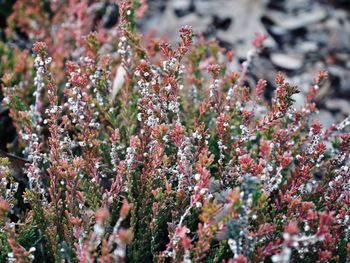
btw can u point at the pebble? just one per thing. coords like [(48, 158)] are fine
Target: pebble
[(293, 22), (308, 46), (344, 78), (180, 4), (287, 61), (338, 104)]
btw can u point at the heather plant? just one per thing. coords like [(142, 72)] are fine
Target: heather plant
[(148, 152)]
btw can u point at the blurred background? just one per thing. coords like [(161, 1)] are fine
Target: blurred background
[(304, 37)]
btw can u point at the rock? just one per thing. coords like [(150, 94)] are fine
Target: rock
[(287, 61), (180, 4), (318, 35), (344, 78), (334, 33), (293, 22), (222, 23), (338, 40), (342, 57), (240, 32), (291, 6), (338, 104), (297, 5), (182, 7), (167, 24), (308, 46)]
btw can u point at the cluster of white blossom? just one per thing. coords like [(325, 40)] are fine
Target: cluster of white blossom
[(184, 155), (39, 65), (214, 89), (315, 139), (35, 158), (129, 158), (245, 133), (32, 137), (174, 105), (124, 49), (222, 149), (7, 190), (170, 65), (271, 178), (340, 182), (100, 91), (276, 180), (229, 97), (144, 85), (115, 149), (76, 104), (152, 120)]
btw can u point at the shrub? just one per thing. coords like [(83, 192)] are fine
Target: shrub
[(175, 159)]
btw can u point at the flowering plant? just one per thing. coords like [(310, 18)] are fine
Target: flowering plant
[(144, 152)]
